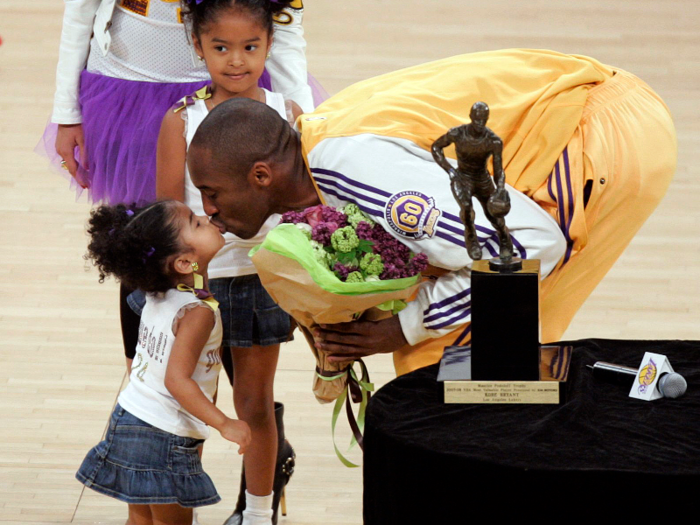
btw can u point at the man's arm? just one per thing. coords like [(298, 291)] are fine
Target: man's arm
[(372, 172), (346, 342)]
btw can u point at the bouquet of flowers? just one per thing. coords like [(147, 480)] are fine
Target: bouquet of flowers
[(328, 265)]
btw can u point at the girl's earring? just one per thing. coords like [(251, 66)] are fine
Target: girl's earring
[(268, 56), (195, 266), (201, 59)]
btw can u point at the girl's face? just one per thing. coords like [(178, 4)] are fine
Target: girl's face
[(202, 238), (234, 47)]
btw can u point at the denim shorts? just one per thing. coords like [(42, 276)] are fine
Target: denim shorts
[(249, 315), (142, 465)]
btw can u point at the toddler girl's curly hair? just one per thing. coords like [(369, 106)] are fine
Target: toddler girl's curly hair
[(200, 13), (136, 246)]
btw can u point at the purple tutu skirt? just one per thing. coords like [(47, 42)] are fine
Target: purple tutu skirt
[(121, 122)]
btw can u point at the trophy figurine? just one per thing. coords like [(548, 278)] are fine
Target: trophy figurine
[(504, 290), (474, 144)]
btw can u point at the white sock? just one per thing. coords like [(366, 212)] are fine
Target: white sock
[(258, 509)]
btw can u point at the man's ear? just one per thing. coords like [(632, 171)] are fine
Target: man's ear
[(260, 174)]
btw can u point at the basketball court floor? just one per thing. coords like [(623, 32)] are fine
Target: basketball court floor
[(61, 362)]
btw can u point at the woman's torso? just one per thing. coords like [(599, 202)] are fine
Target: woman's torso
[(149, 43)]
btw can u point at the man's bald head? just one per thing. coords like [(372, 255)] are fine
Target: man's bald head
[(238, 133)]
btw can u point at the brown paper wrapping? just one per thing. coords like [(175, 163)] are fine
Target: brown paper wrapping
[(293, 289)]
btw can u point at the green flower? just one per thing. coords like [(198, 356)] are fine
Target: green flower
[(356, 215), (332, 259), (345, 239), (355, 277), (320, 254), (351, 209), (354, 220), (372, 264)]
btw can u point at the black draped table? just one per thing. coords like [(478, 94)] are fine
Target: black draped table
[(600, 452)]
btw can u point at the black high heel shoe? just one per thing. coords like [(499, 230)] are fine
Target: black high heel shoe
[(284, 468)]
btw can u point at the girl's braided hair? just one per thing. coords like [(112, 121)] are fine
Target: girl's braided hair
[(200, 13), (135, 245)]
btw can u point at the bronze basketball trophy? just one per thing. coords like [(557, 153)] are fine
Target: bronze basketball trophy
[(506, 364)]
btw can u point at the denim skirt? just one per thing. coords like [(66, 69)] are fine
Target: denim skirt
[(248, 314), (142, 465)]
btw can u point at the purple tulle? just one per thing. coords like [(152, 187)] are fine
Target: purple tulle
[(319, 94), (121, 122)]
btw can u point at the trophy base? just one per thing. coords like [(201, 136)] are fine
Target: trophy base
[(502, 392), (460, 388), (497, 264)]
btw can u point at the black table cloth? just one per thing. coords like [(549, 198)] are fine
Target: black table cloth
[(600, 451)]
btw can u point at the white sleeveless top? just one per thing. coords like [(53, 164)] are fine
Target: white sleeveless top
[(232, 260), (146, 396), (149, 44)]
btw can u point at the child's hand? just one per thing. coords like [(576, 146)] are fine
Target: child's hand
[(237, 431)]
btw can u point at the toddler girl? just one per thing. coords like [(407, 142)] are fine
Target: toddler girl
[(150, 455)]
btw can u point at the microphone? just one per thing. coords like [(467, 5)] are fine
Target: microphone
[(670, 384)]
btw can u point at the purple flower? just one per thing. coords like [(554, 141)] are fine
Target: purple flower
[(343, 271), (419, 263), (364, 231), (391, 272), (293, 217), (330, 214), (396, 257), (322, 232)]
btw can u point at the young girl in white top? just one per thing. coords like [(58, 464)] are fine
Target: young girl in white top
[(149, 457), (233, 38)]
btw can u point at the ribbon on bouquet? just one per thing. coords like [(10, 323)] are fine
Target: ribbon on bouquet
[(357, 391)]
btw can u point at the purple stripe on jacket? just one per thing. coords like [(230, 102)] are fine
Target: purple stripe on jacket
[(450, 321), (463, 335), (452, 310), (460, 231), (352, 182), (336, 184), (567, 233), (448, 300), (368, 211), (549, 187)]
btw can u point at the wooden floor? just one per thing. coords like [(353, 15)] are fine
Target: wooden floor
[(60, 350)]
